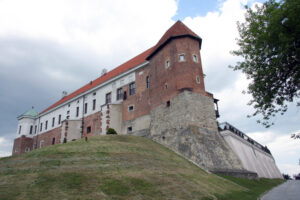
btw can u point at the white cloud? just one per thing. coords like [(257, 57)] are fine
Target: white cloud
[(5, 147)]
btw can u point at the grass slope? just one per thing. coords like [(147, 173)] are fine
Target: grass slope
[(116, 167)]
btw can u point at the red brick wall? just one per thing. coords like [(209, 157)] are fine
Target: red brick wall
[(21, 144), (94, 121), (177, 76), (48, 136)]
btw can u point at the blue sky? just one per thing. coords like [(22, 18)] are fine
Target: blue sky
[(42, 54)]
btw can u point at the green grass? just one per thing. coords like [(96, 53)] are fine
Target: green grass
[(116, 167)]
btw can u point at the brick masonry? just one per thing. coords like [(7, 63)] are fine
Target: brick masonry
[(48, 137), (21, 144)]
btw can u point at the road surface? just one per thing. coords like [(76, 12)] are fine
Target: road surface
[(289, 190)]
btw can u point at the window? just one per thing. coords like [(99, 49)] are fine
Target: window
[(132, 88), (68, 117), (20, 127), (69, 105), (94, 104), (94, 93), (168, 103), (59, 119), (68, 112), (77, 111), (88, 129), (181, 58), (85, 108), (195, 58), (119, 94), (168, 64), (197, 79), (53, 121), (148, 82), (27, 149), (41, 143), (35, 129), (166, 86), (108, 98), (130, 108), (46, 125), (53, 141), (129, 129), (41, 126), (31, 129)]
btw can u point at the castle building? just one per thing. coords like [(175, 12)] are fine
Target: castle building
[(159, 94)]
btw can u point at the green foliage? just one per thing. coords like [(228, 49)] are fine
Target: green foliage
[(270, 46), (111, 131)]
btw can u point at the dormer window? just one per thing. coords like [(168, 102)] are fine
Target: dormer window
[(181, 58), (195, 58)]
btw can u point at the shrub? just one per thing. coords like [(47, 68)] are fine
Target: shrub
[(111, 131)]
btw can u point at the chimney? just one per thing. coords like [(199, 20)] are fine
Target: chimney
[(64, 94)]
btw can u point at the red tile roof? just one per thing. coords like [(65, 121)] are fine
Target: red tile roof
[(109, 75), (177, 30)]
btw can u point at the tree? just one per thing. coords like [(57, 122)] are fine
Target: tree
[(269, 44)]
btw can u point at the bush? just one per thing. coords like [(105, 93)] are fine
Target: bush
[(111, 131)]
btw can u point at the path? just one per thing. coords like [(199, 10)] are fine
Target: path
[(289, 190)]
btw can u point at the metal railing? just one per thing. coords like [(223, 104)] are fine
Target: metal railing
[(226, 126)]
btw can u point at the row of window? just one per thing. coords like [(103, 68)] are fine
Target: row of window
[(181, 58)]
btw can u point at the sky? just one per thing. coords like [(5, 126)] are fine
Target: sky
[(50, 46)]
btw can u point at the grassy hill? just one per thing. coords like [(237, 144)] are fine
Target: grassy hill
[(116, 167)]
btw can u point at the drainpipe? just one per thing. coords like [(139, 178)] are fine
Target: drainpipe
[(82, 121)]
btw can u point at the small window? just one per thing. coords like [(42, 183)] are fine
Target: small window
[(132, 88), (69, 105), (94, 104), (197, 79), (108, 98), (68, 117), (129, 129), (168, 103), (27, 149), (166, 86), (20, 127), (181, 58), (85, 108), (119, 94), (77, 111), (77, 101), (53, 141), (88, 129), (16, 149), (168, 63), (68, 112), (41, 143), (53, 121), (94, 93), (195, 58), (148, 82), (35, 129), (59, 119), (41, 126), (46, 125), (31, 129), (130, 108)]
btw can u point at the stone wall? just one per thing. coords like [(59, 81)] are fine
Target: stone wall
[(188, 126)]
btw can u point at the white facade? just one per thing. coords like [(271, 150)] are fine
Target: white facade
[(68, 110)]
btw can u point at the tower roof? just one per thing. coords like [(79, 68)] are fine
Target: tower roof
[(30, 113), (178, 30)]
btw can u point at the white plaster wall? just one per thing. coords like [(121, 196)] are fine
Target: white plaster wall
[(252, 158), (116, 117), (79, 102), (25, 123)]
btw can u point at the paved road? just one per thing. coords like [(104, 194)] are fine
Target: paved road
[(289, 190)]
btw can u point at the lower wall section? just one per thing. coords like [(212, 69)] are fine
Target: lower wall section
[(22, 144), (48, 138), (252, 158)]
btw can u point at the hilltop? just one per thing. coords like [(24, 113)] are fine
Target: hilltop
[(116, 167)]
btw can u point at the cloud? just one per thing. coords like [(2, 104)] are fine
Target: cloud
[(5, 146)]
